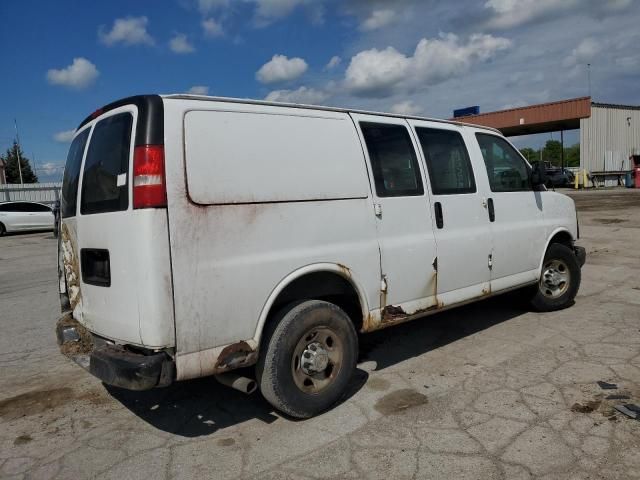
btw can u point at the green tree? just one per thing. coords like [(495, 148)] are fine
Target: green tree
[(572, 156), (552, 152), (12, 172), (530, 154)]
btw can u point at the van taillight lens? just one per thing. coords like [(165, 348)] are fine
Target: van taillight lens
[(149, 186)]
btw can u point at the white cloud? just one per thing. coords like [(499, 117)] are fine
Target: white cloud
[(212, 28), (378, 19), (206, 6), (180, 44), (65, 136), (127, 31), (375, 69), (199, 90), (406, 107), (281, 69), (333, 63), (50, 168), (585, 52), (512, 13), (269, 10), (379, 72), (301, 95), (80, 74), (629, 64), (266, 11)]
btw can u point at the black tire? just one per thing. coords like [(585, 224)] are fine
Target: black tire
[(3, 230), (547, 297), (276, 369)]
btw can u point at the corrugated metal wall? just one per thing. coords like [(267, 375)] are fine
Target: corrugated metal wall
[(608, 138), (46, 193)]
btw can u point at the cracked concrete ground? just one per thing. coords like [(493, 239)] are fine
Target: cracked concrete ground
[(484, 391)]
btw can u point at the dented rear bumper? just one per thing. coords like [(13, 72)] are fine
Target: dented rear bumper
[(113, 364)]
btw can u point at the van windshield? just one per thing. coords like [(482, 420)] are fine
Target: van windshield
[(72, 174), (104, 181)]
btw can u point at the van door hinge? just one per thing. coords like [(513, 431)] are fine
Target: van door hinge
[(383, 284), (435, 264), (377, 209), (490, 261)]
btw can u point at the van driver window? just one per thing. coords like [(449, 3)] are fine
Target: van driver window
[(393, 160), (506, 169)]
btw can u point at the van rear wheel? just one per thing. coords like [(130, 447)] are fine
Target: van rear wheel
[(2, 229), (559, 280), (309, 357)]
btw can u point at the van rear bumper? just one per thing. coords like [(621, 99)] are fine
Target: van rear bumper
[(113, 364)]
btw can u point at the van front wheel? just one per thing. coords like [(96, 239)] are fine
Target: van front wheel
[(559, 279), (309, 357)]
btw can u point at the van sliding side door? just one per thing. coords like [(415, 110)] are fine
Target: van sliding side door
[(462, 230), (403, 215)]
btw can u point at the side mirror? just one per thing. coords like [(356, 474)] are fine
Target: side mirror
[(538, 175)]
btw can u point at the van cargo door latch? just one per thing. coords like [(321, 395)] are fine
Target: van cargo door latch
[(377, 209), (490, 261)]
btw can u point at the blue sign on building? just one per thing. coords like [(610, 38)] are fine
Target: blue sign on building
[(463, 112)]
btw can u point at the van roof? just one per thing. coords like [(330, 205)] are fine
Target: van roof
[(151, 106), (207, 98)]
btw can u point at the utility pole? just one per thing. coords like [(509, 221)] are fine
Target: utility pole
[(589, 77), (562, 150), (15, 122)]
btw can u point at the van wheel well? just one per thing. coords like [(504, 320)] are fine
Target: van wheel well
[(327, 286), (563, 238), (3, 229)]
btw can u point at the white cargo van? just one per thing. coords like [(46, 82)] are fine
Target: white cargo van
[(201, 235)]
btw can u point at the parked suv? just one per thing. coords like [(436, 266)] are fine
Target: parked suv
[(200, 235)]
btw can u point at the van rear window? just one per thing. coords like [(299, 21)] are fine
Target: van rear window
[(69, 198), (104, 181)]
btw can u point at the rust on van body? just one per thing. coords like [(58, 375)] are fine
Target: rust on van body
[(71, 268), (236, 355), (395, 314), (84, 344)]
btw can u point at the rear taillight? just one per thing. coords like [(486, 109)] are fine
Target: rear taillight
[(149, 186)]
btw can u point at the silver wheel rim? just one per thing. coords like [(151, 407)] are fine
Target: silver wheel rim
[(317, 360), (555, 279)]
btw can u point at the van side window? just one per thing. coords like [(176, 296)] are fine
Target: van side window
[(71, 175), (448, 163), (506, 169), (393, 160), (107, 159)]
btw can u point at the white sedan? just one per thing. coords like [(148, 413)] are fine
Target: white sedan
[(23, 216)]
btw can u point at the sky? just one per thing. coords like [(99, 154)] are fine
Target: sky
[(64, 59)]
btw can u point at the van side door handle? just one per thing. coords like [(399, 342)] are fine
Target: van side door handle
[(438, 209), (492, 212)]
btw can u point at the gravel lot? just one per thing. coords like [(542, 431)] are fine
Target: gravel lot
[(484, 391)]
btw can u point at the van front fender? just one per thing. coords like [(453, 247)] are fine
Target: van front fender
[(558, 233)]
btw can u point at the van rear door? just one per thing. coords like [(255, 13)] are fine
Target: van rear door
[(116, 257)]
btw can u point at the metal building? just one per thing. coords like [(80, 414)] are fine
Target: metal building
[(609, 134), (608, 138)]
